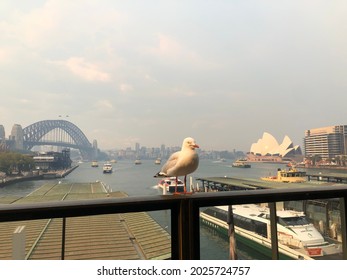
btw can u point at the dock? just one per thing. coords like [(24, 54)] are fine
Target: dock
[(232, 183), (128, 236)]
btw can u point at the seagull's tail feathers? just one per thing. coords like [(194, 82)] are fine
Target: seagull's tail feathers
[(160, 174)]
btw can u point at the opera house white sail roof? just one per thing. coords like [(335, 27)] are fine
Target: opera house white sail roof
[(268, 146)]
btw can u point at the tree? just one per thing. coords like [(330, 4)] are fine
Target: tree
[(10, 162)]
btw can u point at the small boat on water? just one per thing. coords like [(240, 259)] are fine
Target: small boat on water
[(95, 163), (157, 161), (297, 237), (241, 163), (287, 176), (107, 168), (171, 185), (138, 161)]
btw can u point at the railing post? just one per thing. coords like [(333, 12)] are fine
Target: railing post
[(63, 239), (273, 225), (343, 209), (185, 230)]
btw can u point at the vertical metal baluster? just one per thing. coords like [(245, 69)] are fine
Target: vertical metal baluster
[(63, 239), (273, 226)]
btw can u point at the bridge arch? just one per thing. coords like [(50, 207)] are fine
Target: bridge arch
[(33, 134)]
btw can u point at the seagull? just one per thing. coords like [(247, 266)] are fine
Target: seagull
[(181, 163)]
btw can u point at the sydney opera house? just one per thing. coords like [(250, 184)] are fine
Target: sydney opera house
[(267, 149)]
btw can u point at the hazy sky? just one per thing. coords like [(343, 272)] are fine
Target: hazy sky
[(156, 72)]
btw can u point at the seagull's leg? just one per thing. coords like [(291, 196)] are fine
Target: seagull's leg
[(176, 184), (185, 182)]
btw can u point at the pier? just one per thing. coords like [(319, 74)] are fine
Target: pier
[(125, 236), (230, 183), (328, 177), (37, 176)]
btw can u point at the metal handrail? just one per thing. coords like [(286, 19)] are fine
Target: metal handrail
[(185, 209)]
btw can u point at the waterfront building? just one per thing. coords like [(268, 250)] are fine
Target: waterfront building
[(53, 160), (327, 142)]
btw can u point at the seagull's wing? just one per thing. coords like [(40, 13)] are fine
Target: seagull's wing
[(171, 162)]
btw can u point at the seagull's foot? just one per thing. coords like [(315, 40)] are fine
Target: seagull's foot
[(182, 193), (187, 192)]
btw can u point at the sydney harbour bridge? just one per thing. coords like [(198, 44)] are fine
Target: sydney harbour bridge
[(59, 133)]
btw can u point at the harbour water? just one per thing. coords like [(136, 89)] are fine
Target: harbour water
[(138, 180)]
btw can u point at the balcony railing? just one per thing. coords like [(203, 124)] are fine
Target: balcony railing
[(185, 209)]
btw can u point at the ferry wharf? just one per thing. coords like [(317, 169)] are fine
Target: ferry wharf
[(327, 215), (328, 177), (37, 176), (230, 183), (128, 236)]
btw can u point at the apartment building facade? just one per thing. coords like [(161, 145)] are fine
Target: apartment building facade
[(326, 142)]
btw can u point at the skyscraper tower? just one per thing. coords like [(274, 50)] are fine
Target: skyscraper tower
[(2, 132), (95, 149), (18, 136)]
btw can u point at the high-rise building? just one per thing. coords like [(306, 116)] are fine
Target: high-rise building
[(18, 136), (95, 149), (326, 142), (137, 147), (2, 132)]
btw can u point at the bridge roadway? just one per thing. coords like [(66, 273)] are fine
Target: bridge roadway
[(114, 236)]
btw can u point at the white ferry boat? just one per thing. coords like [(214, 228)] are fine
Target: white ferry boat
[(171, 185), (297, 237), (241, 163), (107, 168)]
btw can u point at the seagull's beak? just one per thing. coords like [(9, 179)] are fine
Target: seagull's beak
[(196, 145)]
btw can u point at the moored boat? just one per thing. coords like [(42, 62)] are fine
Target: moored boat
[(297, 237), (171, 185), (107, 168), (287, 176)]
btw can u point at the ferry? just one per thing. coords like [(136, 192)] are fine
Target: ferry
[(170, 184), (297, 237), (107, 168), (241, 163), (95, 163), (287, 176)]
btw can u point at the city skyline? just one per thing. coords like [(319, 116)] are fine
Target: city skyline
[(156, 72), (18, 129)]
